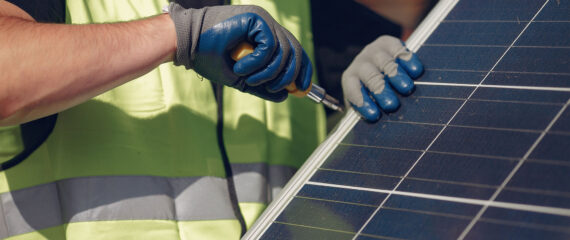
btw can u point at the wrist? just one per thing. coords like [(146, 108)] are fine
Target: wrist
[(187, 25), (168, 32)]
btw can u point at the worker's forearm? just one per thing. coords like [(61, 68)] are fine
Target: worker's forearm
[(46, 68)]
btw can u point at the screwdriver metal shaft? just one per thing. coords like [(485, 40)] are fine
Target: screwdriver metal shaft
[(319, 95)]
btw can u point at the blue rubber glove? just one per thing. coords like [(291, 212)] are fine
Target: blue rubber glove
[(207, 36), (369, 81)]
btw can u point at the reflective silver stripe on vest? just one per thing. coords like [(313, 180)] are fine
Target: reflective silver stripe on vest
[(255, 187), (29, 209), (3, 228), (107, 198)]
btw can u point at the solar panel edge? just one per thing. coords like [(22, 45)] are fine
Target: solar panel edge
[(317, 158), (302, 176)]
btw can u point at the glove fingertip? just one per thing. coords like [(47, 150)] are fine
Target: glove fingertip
[(387, 100), (402, 82), (413, 66), (369, 112), (368, 109)]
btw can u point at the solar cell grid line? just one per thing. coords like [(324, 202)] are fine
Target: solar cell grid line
[(470, 201), (546, 35), (444, 193), (556, 89), (527, 154), (512, 173), (439, 134)]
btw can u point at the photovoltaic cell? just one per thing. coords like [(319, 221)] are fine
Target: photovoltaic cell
[(452, 76), (555, 11), (560, 126), (507, 115), (492, 10), (548, 34), (528, 79), (481, 150), (486, 142), (484, 33), (538, 59), (521, 95), (460, 169), (379, 161), (445, 188), (553, 148), (474, 58)]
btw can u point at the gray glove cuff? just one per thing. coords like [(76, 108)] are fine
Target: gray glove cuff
[(187, 23)]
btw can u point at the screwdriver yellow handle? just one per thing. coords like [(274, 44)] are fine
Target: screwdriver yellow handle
[(244, 48)]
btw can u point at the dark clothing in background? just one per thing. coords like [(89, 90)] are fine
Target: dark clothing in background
[(200, 3), (47, 11), (53, 11)]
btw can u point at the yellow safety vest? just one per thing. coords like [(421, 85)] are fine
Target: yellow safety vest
[(142, 161)]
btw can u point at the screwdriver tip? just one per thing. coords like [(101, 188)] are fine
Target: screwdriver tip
[(332, 103)]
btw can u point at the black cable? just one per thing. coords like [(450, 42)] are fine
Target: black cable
[(218, 91)]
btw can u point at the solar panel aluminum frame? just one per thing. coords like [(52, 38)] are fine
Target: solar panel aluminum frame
[(319, 156)]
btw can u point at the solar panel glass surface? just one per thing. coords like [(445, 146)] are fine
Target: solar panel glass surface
[(481, 150)]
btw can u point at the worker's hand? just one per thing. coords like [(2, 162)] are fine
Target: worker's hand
[(207, 36), (369, 81)]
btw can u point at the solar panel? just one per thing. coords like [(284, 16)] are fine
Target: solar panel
[(481, 150)]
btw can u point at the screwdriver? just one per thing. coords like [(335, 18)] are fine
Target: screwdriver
[(313, 92)]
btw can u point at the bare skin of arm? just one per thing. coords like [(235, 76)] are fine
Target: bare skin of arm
[(47, 68)]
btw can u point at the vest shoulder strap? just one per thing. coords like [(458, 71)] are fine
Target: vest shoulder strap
[(34, 133)]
